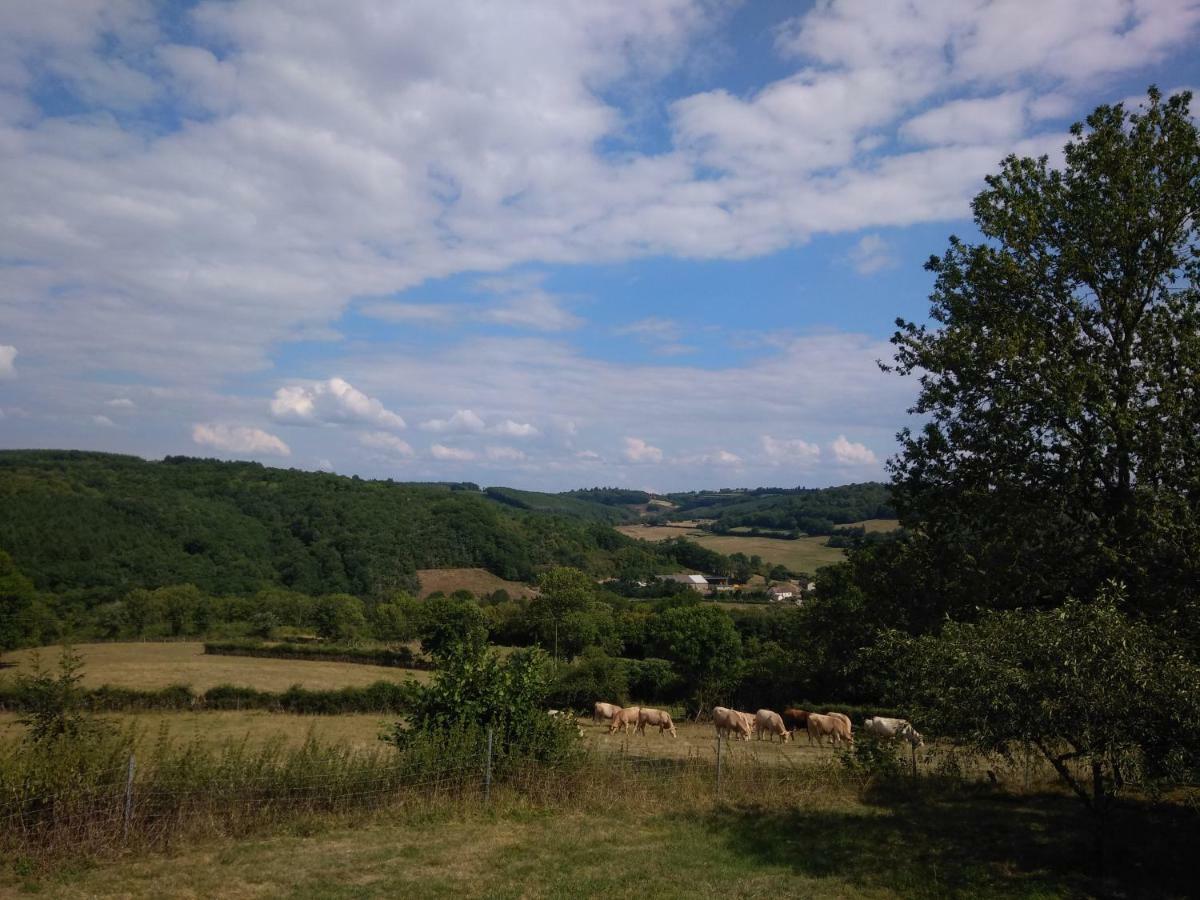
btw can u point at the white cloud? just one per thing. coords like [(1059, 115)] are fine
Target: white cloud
[(716, 458), (850, 453), (382, 440), (537, 310), (325, 465), (871, 254), (990, 120), (505, 454), (120, 403), (103, 421), (454, 454), (8, 356), (509, 428), (463, 420), (794, 451), (638, 451), (239, 439), (332, 401)]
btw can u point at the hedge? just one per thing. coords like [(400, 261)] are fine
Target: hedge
[(400, 658)]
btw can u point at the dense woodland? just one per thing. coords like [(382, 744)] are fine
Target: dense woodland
[(792, 510)]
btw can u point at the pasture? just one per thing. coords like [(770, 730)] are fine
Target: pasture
[(806, 554), (477, 581), (150, 665)]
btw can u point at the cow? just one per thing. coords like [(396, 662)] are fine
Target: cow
[(655, 717), (624, 719), (835, 727), (795, 719), (882, 727), (730, 720), (751, 723), (771, 723), (602, 712)]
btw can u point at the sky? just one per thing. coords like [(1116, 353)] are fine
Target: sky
[(659, 244)]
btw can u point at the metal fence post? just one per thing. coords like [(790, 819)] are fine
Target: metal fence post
[(718, 766), (128, 797), (487, 772)]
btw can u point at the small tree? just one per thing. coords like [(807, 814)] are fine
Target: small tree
[(16, 604), (53, 704), (448, 622), (339, 617), (563, 592)]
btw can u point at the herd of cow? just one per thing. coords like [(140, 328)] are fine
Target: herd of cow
[(741, 725)]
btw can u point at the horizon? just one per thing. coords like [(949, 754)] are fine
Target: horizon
[(654, 245)]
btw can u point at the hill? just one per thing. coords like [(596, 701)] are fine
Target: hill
[(98, 525), (807, 510), (572, 505)]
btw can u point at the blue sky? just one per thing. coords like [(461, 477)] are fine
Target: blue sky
[(655, 244)]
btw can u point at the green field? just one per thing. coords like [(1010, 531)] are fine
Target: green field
[(806, 554), (150, 665)]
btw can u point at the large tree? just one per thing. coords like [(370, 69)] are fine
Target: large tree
[(1060, 378)]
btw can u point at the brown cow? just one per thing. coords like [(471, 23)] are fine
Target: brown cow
[(795, 719), (730, 720), (655, 717), (751, 724), (834, 727), (624, 719)]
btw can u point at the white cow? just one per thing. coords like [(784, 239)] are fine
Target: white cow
[(602, 712), (883, 727), (655, 717), (771, 723), (728, 721)]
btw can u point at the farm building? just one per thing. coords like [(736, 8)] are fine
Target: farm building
[(695, 582)]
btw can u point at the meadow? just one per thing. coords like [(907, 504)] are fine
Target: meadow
[(806, 554), (150, 665), (479, 582)]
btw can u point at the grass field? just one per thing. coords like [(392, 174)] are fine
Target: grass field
[(876, 525), (477, 581), (805, 554), (152, 665)]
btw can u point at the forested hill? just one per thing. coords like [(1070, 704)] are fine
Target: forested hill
[(810, 510), (100, 524)]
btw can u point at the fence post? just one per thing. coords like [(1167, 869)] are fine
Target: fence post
[(718, 766), (128, 797), (487, 772)]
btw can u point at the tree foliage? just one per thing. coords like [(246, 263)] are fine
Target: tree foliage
[(1058, 378)]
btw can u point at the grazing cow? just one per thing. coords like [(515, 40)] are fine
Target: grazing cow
[(771, 723), (835, 727), (730, 720), (882, 727), (624, 719), (750, 721), (795, 719), (655, 717), (602, 712)]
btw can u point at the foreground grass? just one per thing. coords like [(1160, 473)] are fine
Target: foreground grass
[(152, 665), (923, 843)]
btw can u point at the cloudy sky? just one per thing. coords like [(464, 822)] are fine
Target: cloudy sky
[(655, 243)]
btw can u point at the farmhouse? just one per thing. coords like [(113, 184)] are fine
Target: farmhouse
[(695, 582), (778, 593)]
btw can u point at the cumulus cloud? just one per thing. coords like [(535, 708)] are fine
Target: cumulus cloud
[(509, 428), (453, 454), (793, 451), (638, 451), (505, 454), (239, 439), (463, 420), (715, 458), (8, 356), (103, 421), (382, 440), (332, 401), (851, 453)]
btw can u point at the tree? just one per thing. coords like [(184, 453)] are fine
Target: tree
[(339, 617), (16, 604), (1083, 684), (704, 647), (563, 591), (1058, 378), (450, 622), (178, 603)]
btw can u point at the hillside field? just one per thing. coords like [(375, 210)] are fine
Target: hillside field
[(805, 554), (477, 581), (150, 665)]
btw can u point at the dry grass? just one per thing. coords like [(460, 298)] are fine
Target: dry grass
[(150, 665), (477, 581), (805, 554), (358, 730), (872, 526)]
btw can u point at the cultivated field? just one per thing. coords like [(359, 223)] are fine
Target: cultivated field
[(805, 554), (477, 581), (149, 665)]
